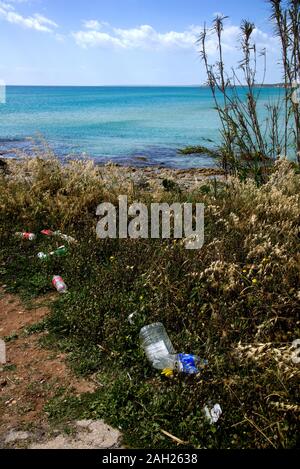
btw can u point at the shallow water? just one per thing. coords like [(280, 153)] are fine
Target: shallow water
[(129, 125)]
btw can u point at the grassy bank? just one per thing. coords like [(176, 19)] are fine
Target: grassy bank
[(235, 302)]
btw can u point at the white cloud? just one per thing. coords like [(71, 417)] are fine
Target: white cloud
[(94, 24), (264, 41), (142, 37), (146, 37), (18, 1), (95, 38), (36, 21)]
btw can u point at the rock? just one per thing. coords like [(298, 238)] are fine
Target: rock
[(91, 434), (16, 436), (141, 183), (141, 158), (111, 164)]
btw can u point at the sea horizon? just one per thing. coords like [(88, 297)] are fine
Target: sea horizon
[(195, 85)]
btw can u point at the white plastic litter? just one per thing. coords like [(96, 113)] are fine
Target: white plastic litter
[(213, 414), (42, 255), (131, 318)]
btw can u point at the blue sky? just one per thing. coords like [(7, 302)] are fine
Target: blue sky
[(120, 42)]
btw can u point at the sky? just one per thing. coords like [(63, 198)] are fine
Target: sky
[(123, 42)]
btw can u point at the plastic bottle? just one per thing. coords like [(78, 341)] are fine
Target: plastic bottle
[(59, 234), (161, 353), (29, 236), (59, 252), (59, 284), (67, 238), (157, 345)]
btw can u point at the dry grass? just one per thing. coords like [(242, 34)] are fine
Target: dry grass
[(42, 189), (236, 301)]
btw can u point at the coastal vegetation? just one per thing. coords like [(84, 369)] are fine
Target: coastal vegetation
[(251, 144), (235, 302)]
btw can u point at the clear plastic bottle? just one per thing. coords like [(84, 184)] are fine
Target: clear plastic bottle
[(161, 353), (59, 284), (157, 345), (67, 238)]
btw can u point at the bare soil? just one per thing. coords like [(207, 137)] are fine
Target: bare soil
[(31, 376)]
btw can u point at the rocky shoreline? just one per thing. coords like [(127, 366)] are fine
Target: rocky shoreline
[(154, 177), (149, 177)]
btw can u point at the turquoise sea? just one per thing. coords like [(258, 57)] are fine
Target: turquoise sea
[(129, 125)]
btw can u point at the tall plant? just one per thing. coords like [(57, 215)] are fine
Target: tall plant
[(286, 17), (250, 143)]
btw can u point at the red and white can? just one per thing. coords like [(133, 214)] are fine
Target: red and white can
[(59, 284), (25, 235)]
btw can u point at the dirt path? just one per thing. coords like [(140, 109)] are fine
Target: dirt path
[(31, 376)]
